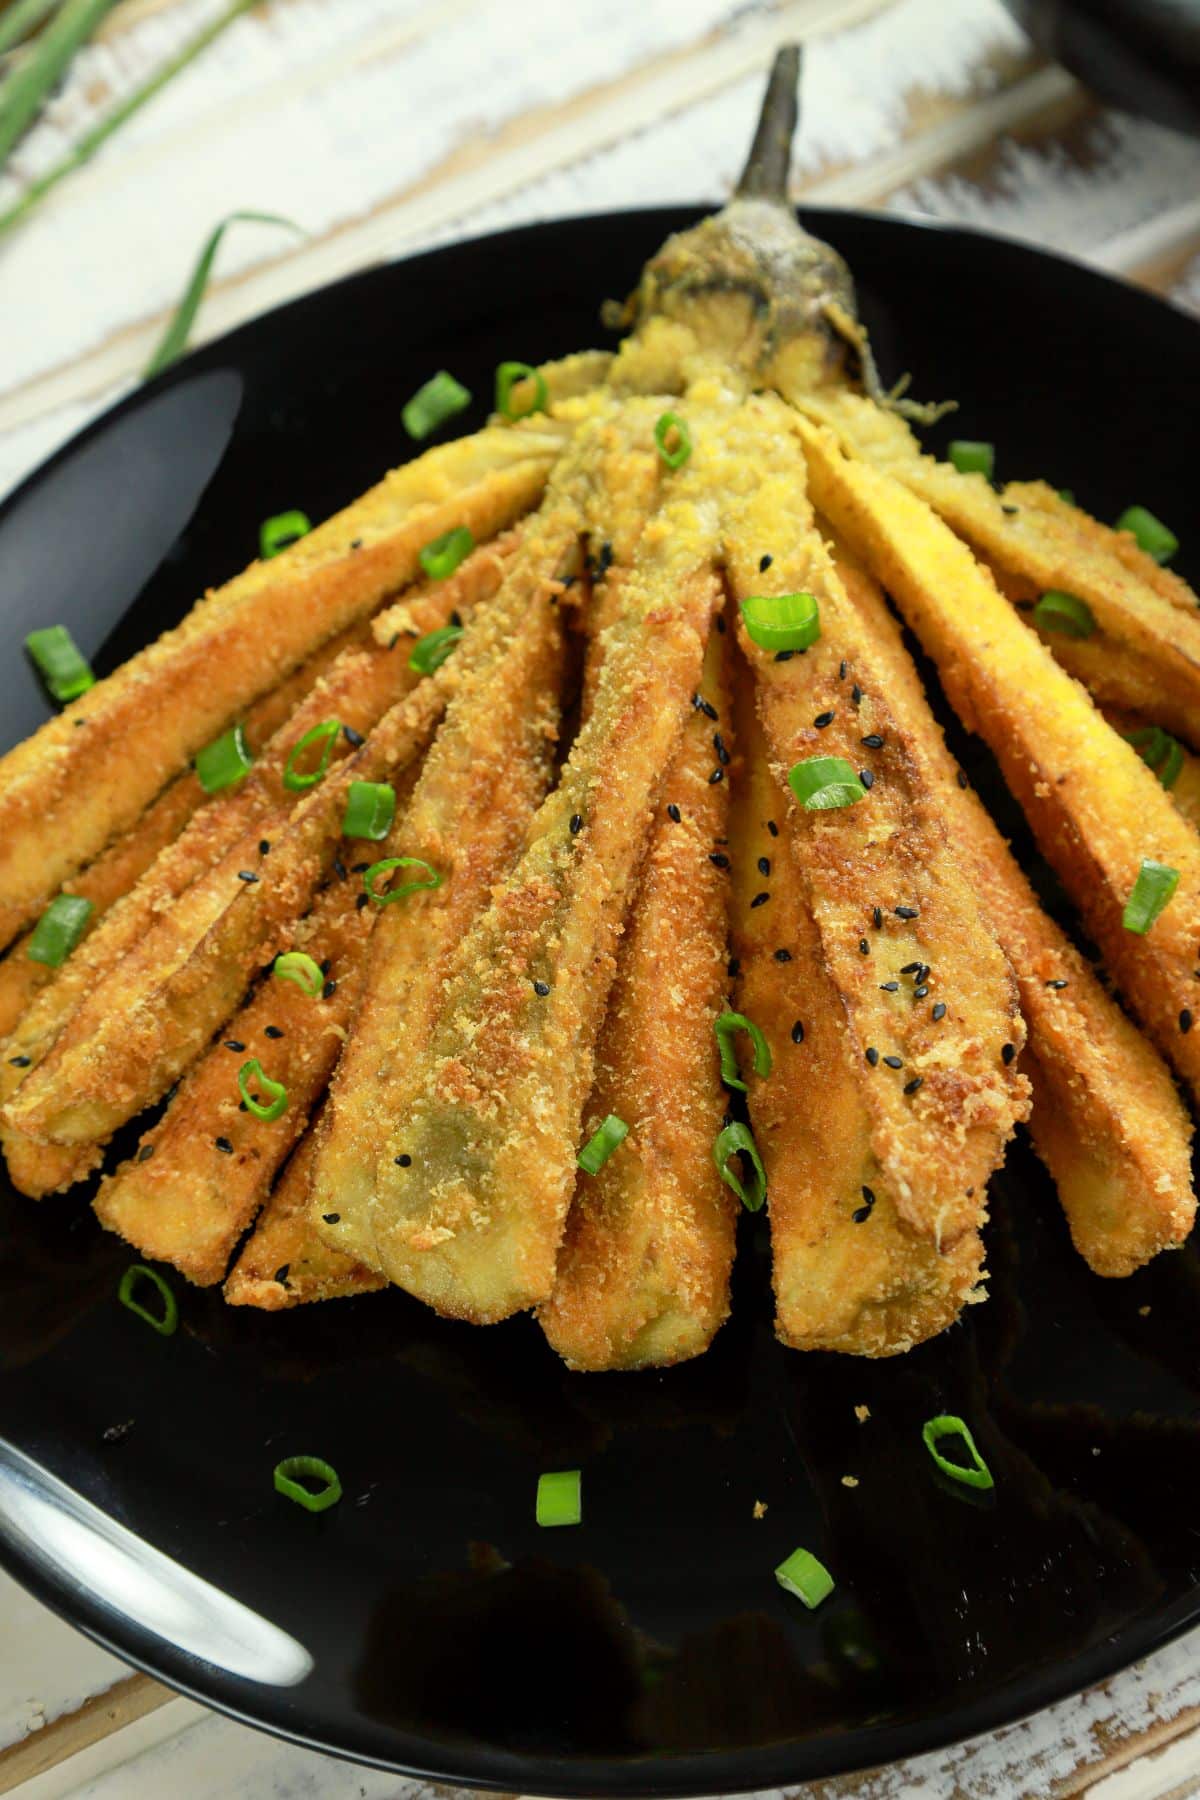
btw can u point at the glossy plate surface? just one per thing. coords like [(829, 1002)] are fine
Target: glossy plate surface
[(650, 1650)]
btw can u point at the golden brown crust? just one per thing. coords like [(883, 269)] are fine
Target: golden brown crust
[(66, 792), (1106, 1118), (643, 1272), (848, 1273), (1095, 808), (941, 1119), (285, 1263)]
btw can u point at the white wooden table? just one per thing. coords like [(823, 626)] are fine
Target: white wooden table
[(383, 126)]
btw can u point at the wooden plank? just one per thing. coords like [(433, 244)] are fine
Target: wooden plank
[(97, 1718)]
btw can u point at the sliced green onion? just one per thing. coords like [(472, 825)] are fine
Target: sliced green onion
[(560, 1498), (671, 425), (292, 1473), (601, 1144), (174, 339), (439, 399), (1067, 494), (782, 621), (1056, 611), (298, 966), (507, 376), (59, 930), (431, 651), (166, 1321), (370, 809), (276, 1104), (285, 528), (1153, 888), (738, 1140), (324, 734), (60, 663), (948, 1425), (971, 457), (822, 783), (1155, 538), (226, 760), (406, 887), (443, 555), (802, 1575), (726, 1028), (1159, 751)]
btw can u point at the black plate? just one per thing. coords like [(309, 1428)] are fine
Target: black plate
[(649, 1651)]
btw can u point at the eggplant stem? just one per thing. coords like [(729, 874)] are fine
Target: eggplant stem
[(765, 176)]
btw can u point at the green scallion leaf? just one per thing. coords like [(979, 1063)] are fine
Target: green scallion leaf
[(510, 375), (949, 1425), (560, 1498), (276, 533), (370, 809), (298, 966), (971, 457), (782, 621), (39, 70), (325, 734), (806, 1578), (294, 1471), (431, 651), (674, 440), (1151, 891), (445, 553), (823, 783), (601, 1144), (1155, 538), (1067, 494), (21, 19), (60, 663), (738, 1140), (163, 1322), (275, 1105), (223, 762), (726, 1028), (59, 930), (388, 895), (440, 398), (1159, 751), (1056, 611), (174, 340)]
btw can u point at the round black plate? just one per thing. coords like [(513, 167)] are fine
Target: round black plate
[(649, 1651)]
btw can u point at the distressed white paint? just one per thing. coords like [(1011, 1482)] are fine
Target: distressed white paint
[(45, 1668)]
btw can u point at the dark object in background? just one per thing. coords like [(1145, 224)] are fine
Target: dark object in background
[(1142, 55)]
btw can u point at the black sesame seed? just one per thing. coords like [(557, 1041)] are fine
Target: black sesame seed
[(673, 812), (872, 741), (1008, 1052), (864, 949), (720, 625), (889, 987), (332, 1218), (760, 900), (272, 1031), (824, 719), (868, 1196), (842, 667), (404, 1161), (717, 775), (784, 655), (861, 1214), (718, 859), (329, 990), (910, 968), (782, 956), (773, 828), (962, 779), (919, 993), (798, 1032), (910, 1087), (20, 1062), (877, 916), (576, 825), (856, 695), (234, 1044), (247, 875), (355, 739), (224, 1146), (1010, 510), (1056, 984), (281, 1274), (939, 1011), (1185, 1020), (764, 865), (867, 778), (145, 1153), (907, 912), (705, 706), (764, 563), (872, 1056), (339, 868), (893, 1062), (325, 965), (606, 560), (359, 868), (922, 971), (733, 967), (264, 846), (356, 543), (541, 988), (719, 747), (361, 901)]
